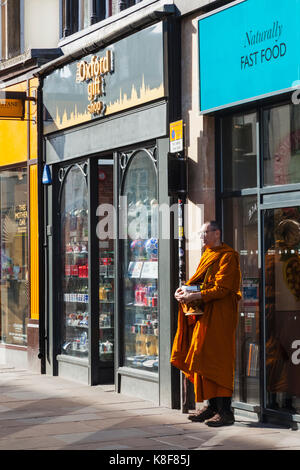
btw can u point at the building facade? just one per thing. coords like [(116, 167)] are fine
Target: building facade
[(23, 50), (109, 256), (240, 103), (107, 104)]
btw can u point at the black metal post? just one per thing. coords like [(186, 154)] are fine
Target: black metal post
[(42, 239), (67, 18)]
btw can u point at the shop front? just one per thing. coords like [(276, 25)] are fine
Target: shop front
[(19, 249), (106, 149), (250, 90)]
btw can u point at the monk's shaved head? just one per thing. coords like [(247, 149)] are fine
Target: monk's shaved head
[(213, 225), (211, 232)]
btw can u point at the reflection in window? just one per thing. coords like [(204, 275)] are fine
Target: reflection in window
[(282, 145), (14, 292), (282, 291), (239, 151), (240, 232)]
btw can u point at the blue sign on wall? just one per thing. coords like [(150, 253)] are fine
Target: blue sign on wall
[(249, 50)]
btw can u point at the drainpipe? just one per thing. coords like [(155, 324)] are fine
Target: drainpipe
[(40, 164)]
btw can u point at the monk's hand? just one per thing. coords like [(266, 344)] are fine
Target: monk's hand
[(185, 297), (178, 294)]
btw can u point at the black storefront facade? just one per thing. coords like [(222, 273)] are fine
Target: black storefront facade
[(109, 273), (250, 90)]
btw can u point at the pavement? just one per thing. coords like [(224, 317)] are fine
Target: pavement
[(42, 412)]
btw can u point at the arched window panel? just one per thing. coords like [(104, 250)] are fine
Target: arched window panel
[(74, 259), (140, 261)]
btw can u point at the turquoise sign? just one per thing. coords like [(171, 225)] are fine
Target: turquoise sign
[(247, 51)]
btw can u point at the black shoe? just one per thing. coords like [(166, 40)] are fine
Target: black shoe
[(223, 418), (205, 413)]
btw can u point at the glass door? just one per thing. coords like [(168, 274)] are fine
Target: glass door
[(241, 232), (240, 225), (282, 308), (105, 234)]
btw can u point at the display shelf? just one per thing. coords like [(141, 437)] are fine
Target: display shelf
[(77, 326), (76, 298), (141, 306)]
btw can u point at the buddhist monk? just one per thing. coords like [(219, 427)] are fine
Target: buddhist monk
[(204, 344)]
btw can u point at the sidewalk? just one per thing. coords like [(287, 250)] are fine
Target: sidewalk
[(39, 412)]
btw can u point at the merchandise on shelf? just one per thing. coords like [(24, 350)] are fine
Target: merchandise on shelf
[(106, 347), (146, 295), (151, 248)]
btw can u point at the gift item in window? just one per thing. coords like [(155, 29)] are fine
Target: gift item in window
[(151, 345), (140, 345)]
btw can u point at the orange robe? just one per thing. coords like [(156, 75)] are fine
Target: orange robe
[(204, 346)]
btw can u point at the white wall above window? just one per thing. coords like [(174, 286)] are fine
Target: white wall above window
[(41, 24)]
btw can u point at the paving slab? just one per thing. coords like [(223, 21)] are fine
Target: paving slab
[(40, 412)]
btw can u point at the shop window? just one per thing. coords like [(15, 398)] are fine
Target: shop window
[(10, 21), (79, 14), (281, 145), (241, 232), (14, 287), (140, 264), (282, 304), (239, 151), (74, 243)]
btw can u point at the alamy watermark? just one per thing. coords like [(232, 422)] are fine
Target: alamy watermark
[(143, 221)]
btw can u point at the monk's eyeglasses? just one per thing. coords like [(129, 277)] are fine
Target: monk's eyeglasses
[(206, 232)]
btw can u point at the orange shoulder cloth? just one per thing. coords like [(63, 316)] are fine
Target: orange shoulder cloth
[(210, 256)]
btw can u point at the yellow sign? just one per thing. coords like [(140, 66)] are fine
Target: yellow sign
[(11, 108), (176, 136)]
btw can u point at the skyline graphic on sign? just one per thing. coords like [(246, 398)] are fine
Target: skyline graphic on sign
[(137, 78)]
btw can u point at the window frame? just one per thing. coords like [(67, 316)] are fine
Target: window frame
[(7, 50), (98, 11)]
